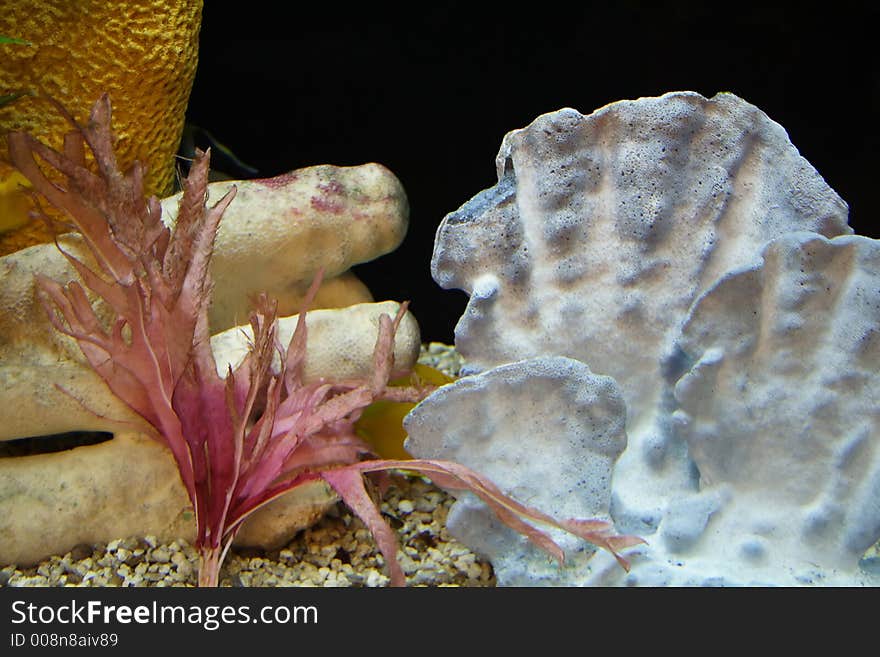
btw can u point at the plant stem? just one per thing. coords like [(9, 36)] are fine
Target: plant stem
[(209, 565)]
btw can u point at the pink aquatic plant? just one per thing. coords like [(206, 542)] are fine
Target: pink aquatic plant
[(241, 440)]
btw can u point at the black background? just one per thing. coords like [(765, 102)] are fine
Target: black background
[(430, 91)]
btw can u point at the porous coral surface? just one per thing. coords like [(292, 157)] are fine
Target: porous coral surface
[(750, 458), (144, 54)]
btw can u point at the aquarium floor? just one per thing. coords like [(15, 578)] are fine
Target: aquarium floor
[(337, 551)]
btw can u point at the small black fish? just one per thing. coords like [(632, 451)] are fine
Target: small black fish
[(228, 165)]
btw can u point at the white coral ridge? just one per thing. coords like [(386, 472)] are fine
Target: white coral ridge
[(276, 235), (681, 246), (129, 486)]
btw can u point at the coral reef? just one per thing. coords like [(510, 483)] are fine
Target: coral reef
[(779, 406), (603, 229), (603, 237), (240, 437)]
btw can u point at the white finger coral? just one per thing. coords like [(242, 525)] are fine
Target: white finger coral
[(280, 231)]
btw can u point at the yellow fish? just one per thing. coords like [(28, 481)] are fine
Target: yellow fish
[(381, 423)]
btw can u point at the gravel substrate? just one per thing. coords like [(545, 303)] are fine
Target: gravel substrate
[(442, 357), (337, 551)]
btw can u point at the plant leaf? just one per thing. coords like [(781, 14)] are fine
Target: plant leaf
[(449, 474), (349, 484), (20, 42)]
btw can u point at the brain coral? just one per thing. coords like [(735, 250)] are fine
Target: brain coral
[(144, 54)]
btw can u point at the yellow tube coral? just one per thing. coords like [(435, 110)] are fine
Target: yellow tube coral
[(142, 52)]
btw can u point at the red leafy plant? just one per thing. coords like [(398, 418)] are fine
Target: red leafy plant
[(243, 440)]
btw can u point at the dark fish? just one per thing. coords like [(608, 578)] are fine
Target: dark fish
[(225, 165)]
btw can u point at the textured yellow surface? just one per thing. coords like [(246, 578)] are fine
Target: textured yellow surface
[(142, 52), (13, 204)]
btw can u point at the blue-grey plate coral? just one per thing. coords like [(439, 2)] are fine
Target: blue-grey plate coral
[(602, 233)]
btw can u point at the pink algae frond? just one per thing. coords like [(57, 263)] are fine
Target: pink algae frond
[(241, 440)]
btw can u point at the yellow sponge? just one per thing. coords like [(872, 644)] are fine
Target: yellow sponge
[(143, 53), (14, 205)]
